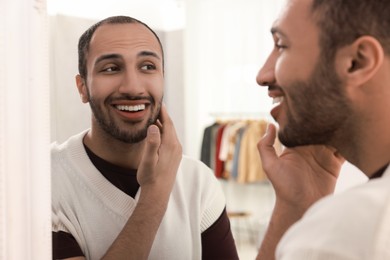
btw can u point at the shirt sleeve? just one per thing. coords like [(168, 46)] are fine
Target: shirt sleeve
[(65, 245), (218, 241)]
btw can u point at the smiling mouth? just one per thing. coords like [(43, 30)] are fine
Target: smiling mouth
[(277, 100), (127, 108)]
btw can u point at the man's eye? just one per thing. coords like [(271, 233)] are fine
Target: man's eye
[(280, 46), (110, 69), (148, 67)]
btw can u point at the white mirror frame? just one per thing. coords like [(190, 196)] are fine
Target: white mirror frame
[(25, 226)]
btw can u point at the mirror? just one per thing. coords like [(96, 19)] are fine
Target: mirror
[(213, 51)]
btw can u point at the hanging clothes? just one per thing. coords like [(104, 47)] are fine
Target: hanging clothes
[(227, 153), (236, 154), (249, 166), (233, 149), (208, 147), (219, 164)]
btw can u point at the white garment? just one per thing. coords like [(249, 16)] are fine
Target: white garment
[(94, 211), (354, 224)]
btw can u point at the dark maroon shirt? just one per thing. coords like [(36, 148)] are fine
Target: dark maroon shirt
[(217, 240), (379, 172)]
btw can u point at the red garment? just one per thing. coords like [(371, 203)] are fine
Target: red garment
[(219, 165)]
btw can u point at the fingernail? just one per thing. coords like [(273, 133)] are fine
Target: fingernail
[(153, 129)]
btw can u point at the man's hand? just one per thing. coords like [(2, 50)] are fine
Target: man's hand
[(161, 156), (156, 175), (300, 177)]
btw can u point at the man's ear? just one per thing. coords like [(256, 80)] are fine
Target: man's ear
[(82, 87), (358, 62)]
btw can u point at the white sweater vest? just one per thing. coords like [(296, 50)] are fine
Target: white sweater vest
[(94, 211)]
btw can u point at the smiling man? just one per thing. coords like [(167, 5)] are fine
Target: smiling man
[(122, 189), (329, 73)]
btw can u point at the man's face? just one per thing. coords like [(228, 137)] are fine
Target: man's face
[(124, 83), (310, 104)]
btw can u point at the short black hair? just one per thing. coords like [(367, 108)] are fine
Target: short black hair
[(341, 22)]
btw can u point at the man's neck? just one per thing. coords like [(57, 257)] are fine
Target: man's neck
[(113, 150)]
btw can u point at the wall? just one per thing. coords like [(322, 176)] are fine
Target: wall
[(24, 131), (174, 79), (68, 114)]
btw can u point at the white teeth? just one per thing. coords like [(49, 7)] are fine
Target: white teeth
[(131, 108), (277, 100)]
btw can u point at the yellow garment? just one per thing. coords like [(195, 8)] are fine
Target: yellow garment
[(249, 165)]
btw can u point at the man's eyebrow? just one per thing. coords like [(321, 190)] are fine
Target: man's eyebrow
[(118, 56), (108, 57), (149, 53), (276, 30)]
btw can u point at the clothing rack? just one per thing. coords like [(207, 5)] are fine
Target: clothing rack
[(229, 146)]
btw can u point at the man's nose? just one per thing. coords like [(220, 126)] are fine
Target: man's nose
[(131, 83), (266, 74)]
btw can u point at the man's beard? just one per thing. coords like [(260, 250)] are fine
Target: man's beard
[(321, 108), (129, 135)]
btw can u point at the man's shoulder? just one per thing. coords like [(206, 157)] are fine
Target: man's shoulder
[(364, 199), (356, 215), (64, 157), (196, 174), (74, 140), (195, 167)]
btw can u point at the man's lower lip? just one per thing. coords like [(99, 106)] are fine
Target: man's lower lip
[(132, 115)]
